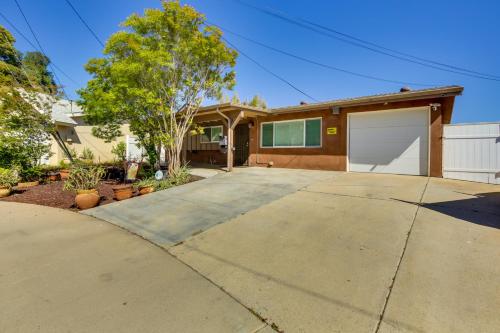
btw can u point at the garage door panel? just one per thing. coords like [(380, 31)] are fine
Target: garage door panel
[(403, 134), (388, 151), (389, 142), (386, 119)]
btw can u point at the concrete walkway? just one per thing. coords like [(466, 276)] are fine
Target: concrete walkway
[(66, 272), (168, 217)]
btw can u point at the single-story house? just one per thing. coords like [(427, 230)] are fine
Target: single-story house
[(399, 133)]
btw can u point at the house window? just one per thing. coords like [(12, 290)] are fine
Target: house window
[(291, 133), (211, 134)]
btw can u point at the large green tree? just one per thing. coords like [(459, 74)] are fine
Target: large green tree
[(154, 76), (35, 65), (25, 105)]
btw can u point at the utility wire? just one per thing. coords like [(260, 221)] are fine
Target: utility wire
[(269, 71), (398, 52), (327, 34), (40, 46), (318, 63), (85, 23), (34, 46)]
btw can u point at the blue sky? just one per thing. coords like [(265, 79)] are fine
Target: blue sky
[(461, 33)]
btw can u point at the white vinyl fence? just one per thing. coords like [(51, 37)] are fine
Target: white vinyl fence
[(472, 152)]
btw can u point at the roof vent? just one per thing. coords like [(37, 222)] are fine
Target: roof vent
[(303, 103), (405, 89)]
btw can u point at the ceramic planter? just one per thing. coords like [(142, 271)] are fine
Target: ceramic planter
[(28, 184), (122, 192), (146, 189), (64, 173), (4, 191), (53, 176), (86, 199)]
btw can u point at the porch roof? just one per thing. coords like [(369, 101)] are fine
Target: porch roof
[(231, 107)]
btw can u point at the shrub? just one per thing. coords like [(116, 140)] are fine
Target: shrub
[(32, 174), (8, 177), (87, 154), (145, 183), (120, 150), (84, 177), (181, 177), (64, 165)]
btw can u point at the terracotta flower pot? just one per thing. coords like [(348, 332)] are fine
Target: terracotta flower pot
[(53, 177), (28, 184), (4, 191), (64, 173), (122, 192), (146, 189), (86, 199)]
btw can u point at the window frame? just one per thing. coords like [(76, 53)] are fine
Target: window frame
[(215, 126), (287, 121)]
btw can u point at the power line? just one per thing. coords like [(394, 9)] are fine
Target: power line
[(19, 32), (324, 33), (399, 52), (321, 64), (269, 71), (40, 46), (85, 23)]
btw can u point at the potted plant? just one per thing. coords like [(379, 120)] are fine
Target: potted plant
[(84, 181), (145, 186), (122, 191), (53, 176), (64, 171), (8, 178), (30, 176)]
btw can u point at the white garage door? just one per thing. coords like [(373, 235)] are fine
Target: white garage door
[(395, 141)]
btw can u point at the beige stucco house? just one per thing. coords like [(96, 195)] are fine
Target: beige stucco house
[(77, 135)]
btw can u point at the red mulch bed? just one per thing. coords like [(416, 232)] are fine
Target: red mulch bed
[(53, 195)]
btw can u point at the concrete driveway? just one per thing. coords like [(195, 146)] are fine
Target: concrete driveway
[(169, 217), (305, 251), (363, 253)]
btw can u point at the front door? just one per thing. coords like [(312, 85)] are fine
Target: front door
[(241, 142)]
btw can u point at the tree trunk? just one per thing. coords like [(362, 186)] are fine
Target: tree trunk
[(157, 164), (174, 158), (174, 161)]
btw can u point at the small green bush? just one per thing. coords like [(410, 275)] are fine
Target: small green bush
[(181, 177), (87, 154), (120, 150), (8, 177), (32, 174), (84, 177), (145, 183)]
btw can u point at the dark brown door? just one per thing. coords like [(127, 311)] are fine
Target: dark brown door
[(241, 141)]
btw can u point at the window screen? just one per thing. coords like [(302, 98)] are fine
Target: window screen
[(207, 134), (313, 132), (216, 132), (289, 134), (267, 135), (296, 133), (211, 134)]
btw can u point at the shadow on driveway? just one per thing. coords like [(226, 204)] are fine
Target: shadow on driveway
[(482, 208)]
